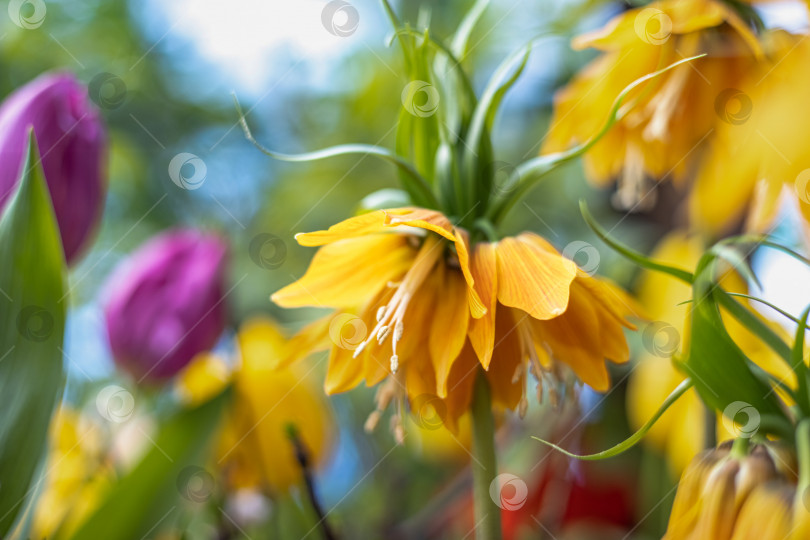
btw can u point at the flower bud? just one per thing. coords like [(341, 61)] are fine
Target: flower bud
[(714, 488), (166, 303), (72, 144)]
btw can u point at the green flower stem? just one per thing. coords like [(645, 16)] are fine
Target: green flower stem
[(803, 453), (484, 465), (739, 448)]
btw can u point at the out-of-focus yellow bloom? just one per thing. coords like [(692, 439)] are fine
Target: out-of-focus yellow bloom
[(420, 310), (680, 432), (670, 119), (725, 497), (254, 448), (752, 163), (78, 476)]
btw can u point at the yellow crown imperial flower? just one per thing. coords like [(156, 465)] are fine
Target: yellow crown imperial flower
[(425, 309)]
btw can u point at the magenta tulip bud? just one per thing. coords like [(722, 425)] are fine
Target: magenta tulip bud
[(166, 303), (72, 144)]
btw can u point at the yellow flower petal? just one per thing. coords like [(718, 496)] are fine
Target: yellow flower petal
[(345, 273), (485, 273), (364, 224), (573, 339), (449, 329), (531, 278)]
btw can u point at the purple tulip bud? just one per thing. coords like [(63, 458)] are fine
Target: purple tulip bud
[(166, 303), (72, 143)]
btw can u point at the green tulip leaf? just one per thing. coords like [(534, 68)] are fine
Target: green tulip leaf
[(170, 475), (32, 322)]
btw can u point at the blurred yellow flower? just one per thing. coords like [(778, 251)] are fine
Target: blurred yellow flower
[(765, 154), (667, 120), (254, 449), (78, 475), (410, 278), (680, 432)]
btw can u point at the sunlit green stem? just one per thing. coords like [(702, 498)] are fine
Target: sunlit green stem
[(484, 463), (803, 453)]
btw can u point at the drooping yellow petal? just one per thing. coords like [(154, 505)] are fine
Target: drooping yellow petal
[(485, 273), (532, 279), (313, 338), (506, 357), (434, 221), (477, 306), (573, 339), (449, 330), (460, 383), (362, 225), (679, 17), (345, 273), (344, 372)]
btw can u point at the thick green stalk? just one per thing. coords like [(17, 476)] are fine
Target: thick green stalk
[(485, 464)]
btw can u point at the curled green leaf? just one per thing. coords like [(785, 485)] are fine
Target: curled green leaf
[(638, 258), (631, 441), (418, 188)]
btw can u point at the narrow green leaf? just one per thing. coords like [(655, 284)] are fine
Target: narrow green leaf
[(723, 375), (634, 256), (150, 495), (631, 441), (465, 28), (416, 186), (531, 171), (798, 365), (32, 321)]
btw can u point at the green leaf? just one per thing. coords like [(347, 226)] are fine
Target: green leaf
[(413, 182), (32, 322), (635, 437), (798, 365), (634, 256), (383, 199), (465, 28), (531, 171), (723, 375), (151, 494)]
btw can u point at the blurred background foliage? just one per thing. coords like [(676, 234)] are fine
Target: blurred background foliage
[(305, 89)]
